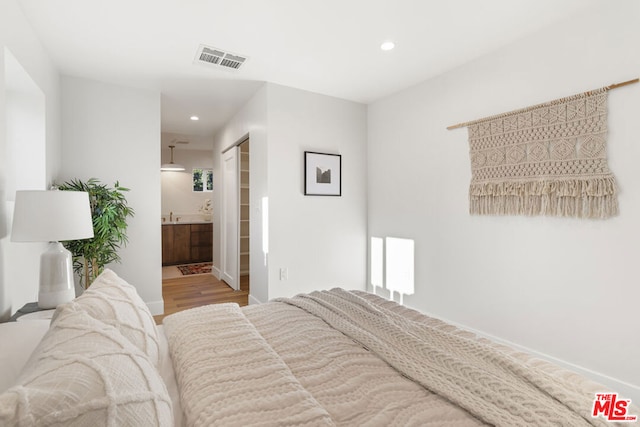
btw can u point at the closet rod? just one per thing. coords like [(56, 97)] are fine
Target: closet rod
[(613, 86)]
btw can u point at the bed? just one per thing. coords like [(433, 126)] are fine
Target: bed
[(321, 359)]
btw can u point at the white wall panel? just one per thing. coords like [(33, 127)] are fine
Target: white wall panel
[(113, 133), (566, 288)]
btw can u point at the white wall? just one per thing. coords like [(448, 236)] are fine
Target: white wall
[(177, 186), (19, 261), (566, 288), (25, 128), (113, 133), (250, 120), (320, 240)]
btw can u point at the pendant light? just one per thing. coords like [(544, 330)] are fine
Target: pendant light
[(171, 166)]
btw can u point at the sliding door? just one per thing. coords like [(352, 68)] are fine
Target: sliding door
[(230, 219)]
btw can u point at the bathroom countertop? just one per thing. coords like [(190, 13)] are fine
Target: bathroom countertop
[(186, 222)]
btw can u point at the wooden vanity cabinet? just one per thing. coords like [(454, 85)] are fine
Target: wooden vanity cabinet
[(201, 242), (186, 243), (176, 244)]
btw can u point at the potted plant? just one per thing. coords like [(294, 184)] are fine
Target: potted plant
[(109, 211)]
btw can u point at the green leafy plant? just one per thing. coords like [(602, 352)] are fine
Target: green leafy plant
[(109, 211)]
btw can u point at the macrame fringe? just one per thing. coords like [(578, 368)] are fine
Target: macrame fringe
[(580, 198)]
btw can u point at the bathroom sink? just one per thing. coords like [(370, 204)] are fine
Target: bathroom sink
[(187, 221)]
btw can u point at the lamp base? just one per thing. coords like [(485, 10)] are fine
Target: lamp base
[(56, 277)]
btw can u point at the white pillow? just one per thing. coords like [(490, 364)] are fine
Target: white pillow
[(115, 302), (85, 373)]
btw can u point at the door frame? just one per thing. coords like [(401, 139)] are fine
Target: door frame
[(233, 282)]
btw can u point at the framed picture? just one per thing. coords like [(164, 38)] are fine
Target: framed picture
[(322, 174)]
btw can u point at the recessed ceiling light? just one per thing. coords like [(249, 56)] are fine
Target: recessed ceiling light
[(194, 118), (388, 45)]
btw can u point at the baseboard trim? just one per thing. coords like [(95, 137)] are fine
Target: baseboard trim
[(253, 300), (625, 389), (216, 272), (156, 307)]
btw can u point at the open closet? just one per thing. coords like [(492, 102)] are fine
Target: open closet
[(235, 216), (244, 214)]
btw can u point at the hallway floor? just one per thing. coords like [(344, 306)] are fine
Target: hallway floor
[(183, 292)]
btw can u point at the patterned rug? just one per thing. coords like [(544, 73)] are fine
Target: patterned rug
[(203, 268)]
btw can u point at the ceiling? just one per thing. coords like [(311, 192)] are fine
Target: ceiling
[(330, 47)]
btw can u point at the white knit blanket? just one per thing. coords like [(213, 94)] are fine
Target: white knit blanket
[(344, 358), (496, 388), (229, 376)]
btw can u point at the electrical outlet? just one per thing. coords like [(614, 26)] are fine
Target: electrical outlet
[(284, 273)]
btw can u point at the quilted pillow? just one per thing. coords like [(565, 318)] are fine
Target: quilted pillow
[(85, 373), (115, 302)]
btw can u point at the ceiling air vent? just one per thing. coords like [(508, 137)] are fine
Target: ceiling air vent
[(213, 56)]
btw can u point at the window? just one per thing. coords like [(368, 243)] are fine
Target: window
[(202, 179)]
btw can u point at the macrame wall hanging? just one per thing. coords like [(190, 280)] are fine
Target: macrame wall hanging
[(548, 159)]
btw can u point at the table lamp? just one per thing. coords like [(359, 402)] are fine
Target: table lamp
[(53, 216)]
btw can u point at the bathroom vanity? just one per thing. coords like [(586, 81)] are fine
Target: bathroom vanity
[(186, 242)]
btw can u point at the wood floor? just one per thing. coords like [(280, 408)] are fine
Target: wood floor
[(185, 292)]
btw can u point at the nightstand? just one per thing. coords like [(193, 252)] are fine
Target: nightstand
[(31, 311)]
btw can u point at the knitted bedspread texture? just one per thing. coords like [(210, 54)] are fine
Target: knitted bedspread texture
[(351, 358)]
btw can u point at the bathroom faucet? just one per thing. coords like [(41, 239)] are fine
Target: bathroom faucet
[(170, 216)]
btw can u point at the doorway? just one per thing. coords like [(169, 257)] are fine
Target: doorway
[(186, 205)]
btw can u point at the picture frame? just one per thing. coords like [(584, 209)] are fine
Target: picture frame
[(322, 174)]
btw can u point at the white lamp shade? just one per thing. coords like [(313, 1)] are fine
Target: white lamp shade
[(51, 216)]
